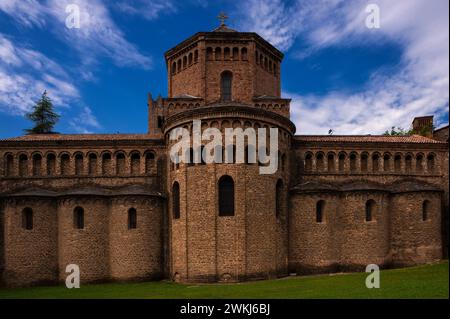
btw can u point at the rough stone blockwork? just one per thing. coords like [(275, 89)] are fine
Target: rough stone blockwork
[(117, 206)]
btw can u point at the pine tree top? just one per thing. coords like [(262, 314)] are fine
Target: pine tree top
[(43, 116)]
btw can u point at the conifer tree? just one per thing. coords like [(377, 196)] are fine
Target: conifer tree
[(43, 116)]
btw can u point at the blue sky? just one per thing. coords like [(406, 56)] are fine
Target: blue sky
[(339, 73)]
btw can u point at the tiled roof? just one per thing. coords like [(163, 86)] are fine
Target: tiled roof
[(223, 28), (366, 139), (441, 128), (79, 137)]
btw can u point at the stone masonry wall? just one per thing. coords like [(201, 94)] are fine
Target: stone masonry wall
[(344, 240), (414, 240), (31, 256), (87, 247), (135, 253)]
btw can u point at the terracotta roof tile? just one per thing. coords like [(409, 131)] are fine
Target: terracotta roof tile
[(366, 139), (79, 137)]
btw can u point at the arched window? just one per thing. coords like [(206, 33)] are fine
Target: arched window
[(387, 162), (132, 218), (320, 210), (370, 210), (226, 81), (149, 163), (174, 67), (184, 62), (364, 162), (408, 163), (331, 163), (419, 163), (235, 54), (209, 54), (135, 163), (106, 164), (195, 56), (190, 58), (78, 164), (9, 168), (430, 163), (226, 53), (341, 162), (174, 162), (189, 157), (179, 65), (176, 200), (65, 164), (319, 162), (283, 162), (308, 162), (37, 163), (353, 162), (92, 164), (202, 159), (425, 210), (120, 164), (23, 165), (398, 163), (51, 164), (244, 54), (27, 218), (250, 154), (375, 163), (218, 54), (279, 198), (226, 196), (78, 218)]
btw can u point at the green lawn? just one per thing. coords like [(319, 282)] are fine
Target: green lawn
[(429, 281)]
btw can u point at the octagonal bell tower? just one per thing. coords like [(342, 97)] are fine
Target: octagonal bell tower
[(206, 62), (227, 221)]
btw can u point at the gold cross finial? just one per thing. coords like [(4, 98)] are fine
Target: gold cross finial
[(222, 17)]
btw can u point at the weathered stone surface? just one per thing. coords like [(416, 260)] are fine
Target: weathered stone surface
[(107, 175)]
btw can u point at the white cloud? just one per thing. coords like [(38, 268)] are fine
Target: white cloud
[(269, 18), (98, 35), (27, 12), (148, 9), (420, 88), (85, 122), (25, 74)]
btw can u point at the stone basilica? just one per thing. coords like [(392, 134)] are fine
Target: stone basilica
[(117, 206)]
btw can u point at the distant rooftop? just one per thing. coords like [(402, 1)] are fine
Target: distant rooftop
[(79, 137), (367, 139)]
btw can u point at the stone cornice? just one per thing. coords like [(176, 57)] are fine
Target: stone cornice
[(227, 110), (402, 186), (202, 36), (86, 191)]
